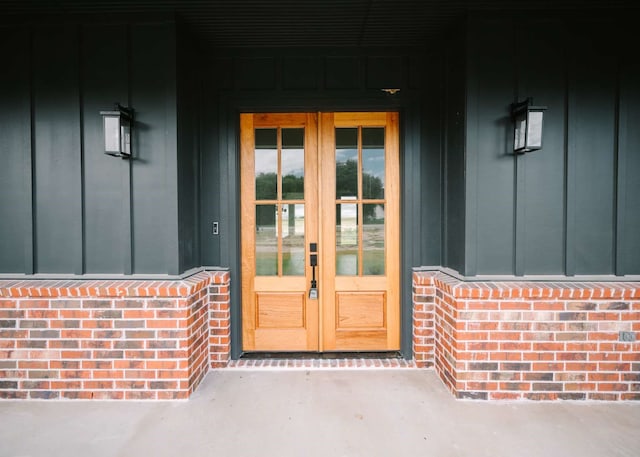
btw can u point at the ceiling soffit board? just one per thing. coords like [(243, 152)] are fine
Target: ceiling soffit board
[(304, 23)]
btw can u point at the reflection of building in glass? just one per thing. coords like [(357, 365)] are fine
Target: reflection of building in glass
[(348, 223), (292, 220)]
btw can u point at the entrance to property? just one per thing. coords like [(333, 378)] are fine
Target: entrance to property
[(320, 232)]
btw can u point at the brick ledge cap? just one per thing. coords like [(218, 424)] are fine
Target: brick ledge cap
[(527, 289), (118, 288)]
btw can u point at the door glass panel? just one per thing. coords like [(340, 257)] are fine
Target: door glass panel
[(293, 240), (266, 163), (266, 240), (373, 239), (373, 162), (292, 164), (346, 162), (347, 239)]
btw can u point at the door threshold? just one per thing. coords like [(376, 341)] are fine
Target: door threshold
[(321, 361), (320, 355)]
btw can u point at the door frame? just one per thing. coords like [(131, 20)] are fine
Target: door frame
[(289, 321), (228, 118)]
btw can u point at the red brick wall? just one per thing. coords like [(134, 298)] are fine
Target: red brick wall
[(423, 324), (108, 339), (538, 341), (219, 323), (157, 339)]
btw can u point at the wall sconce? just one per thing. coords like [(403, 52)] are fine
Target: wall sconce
[(527, 134), (117, 131)]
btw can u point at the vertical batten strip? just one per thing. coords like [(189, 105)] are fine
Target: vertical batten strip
[(127, 205), (520, 89), (29, 173), (81, 260), (620, 194), (570, 182)]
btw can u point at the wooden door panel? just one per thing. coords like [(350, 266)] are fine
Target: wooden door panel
[(276, 313), (360, 311), (277, 310)]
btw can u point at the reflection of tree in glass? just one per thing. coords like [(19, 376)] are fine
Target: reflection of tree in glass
[(266, 185), (292, 186), (347, 182), (346, 179)]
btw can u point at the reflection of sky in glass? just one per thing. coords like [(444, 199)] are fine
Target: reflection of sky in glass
[(266, 161), (373, 162), (293, 162), (343, 155)]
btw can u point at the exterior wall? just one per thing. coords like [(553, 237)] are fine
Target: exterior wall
[(111, 339), (72, 209), (524, 340), (189, 94), (565, 209), (453, 152), (157, 339)]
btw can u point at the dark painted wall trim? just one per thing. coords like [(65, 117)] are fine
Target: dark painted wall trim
[(29, 171)]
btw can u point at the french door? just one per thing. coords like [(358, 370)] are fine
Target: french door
[(320, 232)]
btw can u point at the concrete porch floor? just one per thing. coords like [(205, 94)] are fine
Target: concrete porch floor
[(319, 413)]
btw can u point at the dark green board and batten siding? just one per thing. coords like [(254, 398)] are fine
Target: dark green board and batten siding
[(570, 208), (66, 206)]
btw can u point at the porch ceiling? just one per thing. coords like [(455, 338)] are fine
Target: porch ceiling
[(286, 23)]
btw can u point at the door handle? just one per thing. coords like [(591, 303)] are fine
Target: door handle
[(313, 263)]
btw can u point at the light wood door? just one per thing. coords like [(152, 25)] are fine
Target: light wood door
[(329, 182)]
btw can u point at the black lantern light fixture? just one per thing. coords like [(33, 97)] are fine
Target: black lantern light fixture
[(527, 133), (117, 131)]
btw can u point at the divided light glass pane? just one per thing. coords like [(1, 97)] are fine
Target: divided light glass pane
[(293, 240), (373, 240), (266, 240), (266, 163), (293, 164), (346, 162), (347, 239), (373, 162)]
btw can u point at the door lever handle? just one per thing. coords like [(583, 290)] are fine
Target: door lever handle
[(313, 263)]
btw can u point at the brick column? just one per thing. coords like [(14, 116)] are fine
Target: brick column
[(105, 339), (219, 322), (423, 322), (537, 341)]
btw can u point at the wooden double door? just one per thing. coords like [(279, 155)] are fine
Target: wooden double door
[(320, 232)]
